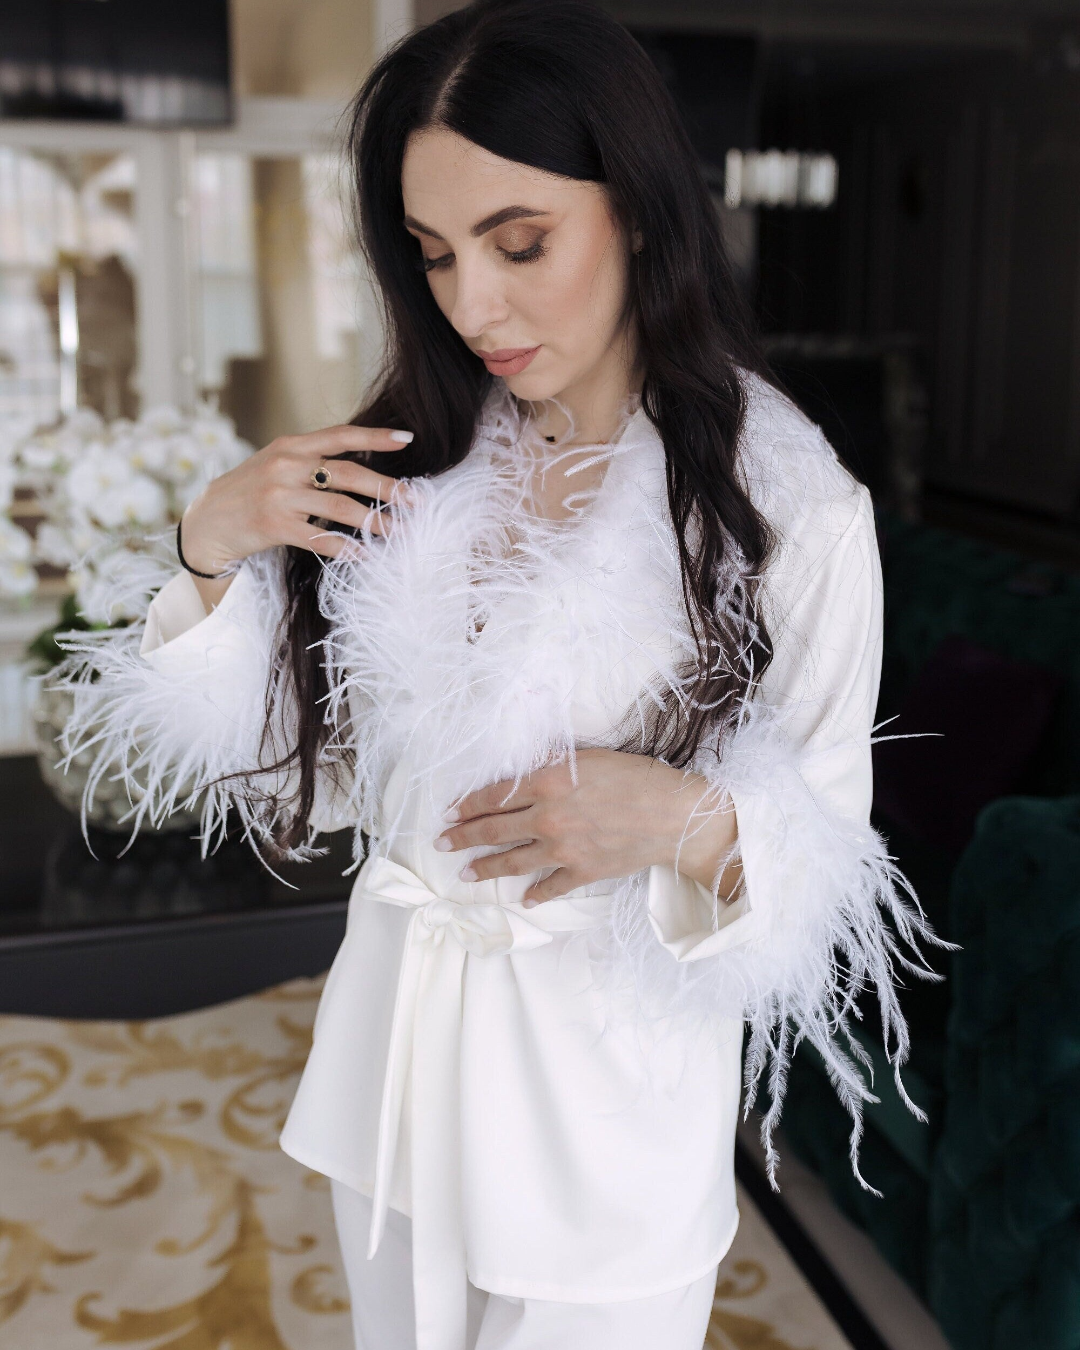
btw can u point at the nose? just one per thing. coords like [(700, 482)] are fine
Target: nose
[(479, 304)]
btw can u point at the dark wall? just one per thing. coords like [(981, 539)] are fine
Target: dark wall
[(958, 222), (713, 78)]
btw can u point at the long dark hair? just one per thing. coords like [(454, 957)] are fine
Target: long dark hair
[(559, 86)]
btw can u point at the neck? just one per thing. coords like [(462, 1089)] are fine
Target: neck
[(593, 406)]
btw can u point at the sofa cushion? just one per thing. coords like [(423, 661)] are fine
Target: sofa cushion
[(967, 728), (938, 583), (1005, 1260)]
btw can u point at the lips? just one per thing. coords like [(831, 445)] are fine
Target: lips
[(508, 360)]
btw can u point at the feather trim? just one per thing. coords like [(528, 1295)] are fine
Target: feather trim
[(176, 734), (475, 643), (828, 915), (460, 642)]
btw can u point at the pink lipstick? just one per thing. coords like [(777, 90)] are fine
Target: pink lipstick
[(508, 360)]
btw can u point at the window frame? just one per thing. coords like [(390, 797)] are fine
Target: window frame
[(167, 321)]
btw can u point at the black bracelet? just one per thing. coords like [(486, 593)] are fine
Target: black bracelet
[(206, 576)]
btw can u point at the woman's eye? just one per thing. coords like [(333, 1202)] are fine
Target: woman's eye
[(521, 255), (524, 255)]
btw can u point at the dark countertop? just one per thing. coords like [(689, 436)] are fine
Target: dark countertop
[(51, 882)]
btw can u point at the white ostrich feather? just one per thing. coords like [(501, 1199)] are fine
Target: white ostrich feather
[(475, 643), (837, 918), (457, 642), (177, 739)]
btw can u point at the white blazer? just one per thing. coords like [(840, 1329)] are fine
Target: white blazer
[(552, 1092)]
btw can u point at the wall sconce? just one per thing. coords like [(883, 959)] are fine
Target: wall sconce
[(779, 178)]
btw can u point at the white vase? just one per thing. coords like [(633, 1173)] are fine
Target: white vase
[(52, 708)]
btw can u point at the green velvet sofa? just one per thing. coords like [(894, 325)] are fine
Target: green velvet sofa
[(981, 1207)]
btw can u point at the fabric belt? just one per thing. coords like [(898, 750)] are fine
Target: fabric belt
[(425, 1054)]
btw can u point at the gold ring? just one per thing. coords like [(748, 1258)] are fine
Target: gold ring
[(320, 478)]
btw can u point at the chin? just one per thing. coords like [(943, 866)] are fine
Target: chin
[(535, 386), (537, 381)]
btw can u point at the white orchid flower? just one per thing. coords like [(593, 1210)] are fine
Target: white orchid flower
[(64, 547), (41, 453), (17, 579), (148, 454), (98, 472), (163, 420), (15, 429), (184, 459), (15, 544), (17, 575), (9, 481), (136, 501), (109, 492)]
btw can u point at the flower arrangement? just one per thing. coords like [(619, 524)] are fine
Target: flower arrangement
[(108, 496), (17, 575), (103, 498)]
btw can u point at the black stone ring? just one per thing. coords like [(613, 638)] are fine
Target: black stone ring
[(320, 478)]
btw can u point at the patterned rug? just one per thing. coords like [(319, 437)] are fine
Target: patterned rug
[(144, 1201)]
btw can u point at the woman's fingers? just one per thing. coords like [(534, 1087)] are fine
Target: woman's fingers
[(512, 862), (269, 499), (506, 827), (555, 781), (519, 862), (496, 797), (344, 440), (340, 509), (313, 514), (560, 882), (317, 538), (345, 476)]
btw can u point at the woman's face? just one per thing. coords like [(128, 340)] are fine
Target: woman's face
[(529, 267)]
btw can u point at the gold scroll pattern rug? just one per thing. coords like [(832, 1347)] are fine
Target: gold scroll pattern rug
[(144, 1202)]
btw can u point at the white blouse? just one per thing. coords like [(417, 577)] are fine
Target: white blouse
[(551, 1093)]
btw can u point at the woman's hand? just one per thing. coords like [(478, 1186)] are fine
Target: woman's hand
[(269, 499), (624, 813)]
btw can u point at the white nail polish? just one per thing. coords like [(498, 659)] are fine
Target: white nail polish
[(443, 845), (468, 874), (402, 437)]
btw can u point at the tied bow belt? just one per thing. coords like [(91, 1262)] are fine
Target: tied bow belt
[(424, 1053)]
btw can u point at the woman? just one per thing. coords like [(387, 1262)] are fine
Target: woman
[(596, 684)]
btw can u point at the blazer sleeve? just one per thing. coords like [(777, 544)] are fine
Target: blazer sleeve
[(192, 711), (822, 912)]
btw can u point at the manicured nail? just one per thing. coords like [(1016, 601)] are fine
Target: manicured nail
[(529, 904), (443, 845), (468, 873), (452, 814), (402, 437)]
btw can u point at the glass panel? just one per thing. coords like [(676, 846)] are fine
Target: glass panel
[(68, 283), (230, 324), (289, 331)]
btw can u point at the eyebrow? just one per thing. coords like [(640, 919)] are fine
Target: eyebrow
[(489, 223)]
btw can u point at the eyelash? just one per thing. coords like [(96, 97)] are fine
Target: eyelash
[(526, 255)]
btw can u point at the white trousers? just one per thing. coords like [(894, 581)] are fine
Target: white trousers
[(381, 1292)]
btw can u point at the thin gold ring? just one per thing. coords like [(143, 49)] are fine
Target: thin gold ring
[(321, 479)]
